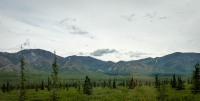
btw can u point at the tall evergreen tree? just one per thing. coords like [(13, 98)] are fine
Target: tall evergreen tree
[(42, 85), (8, 86), (157, 82), (132, 84), (140, 84), (22, 77), (162, 92), (180, 85), (87, 87), (48, 84), (123, 83), (3, 88), (54, 78), (67, 86), (114, 84), (149, 83), (196, 79), (174, 82), (63, 84), (94, 84), (166, 81), (36, 87), (188, 81), (109, 83), (79, 86), (28, 85), (104, 83), (60, 85)]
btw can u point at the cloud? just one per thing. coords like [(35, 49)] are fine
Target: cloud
[(72, 27), (162, 18), (128, 18), (26, 43), (151, 16), (75, 30), (101, 52), (66, 20), (136, 54), (190, 41), (80, 53), (155, 16)]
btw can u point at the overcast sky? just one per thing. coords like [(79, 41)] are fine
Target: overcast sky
[(105, 29)]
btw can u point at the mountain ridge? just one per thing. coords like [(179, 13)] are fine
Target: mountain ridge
[(40, 60)]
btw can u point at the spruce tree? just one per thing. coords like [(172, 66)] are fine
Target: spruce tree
[(149, 83), (114, 84), (140, 84), (94, 84), (132, 84), (104, 83), (48, 84), (67, 86), (109, 83), (180, 85), (63, 84), (42, 86), (174, 82), (196, 79), (60, 85), (136, 82), (123, 83), (188, 81), (79, 86), (3, 88), (22, 77), (87, 87), (36, 87), (157, 82), (146, 83), (162, 92), (54, 78), (28, 86)]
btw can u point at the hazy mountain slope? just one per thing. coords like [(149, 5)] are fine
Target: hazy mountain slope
[(90, 63), (34, 58), (173, 63)]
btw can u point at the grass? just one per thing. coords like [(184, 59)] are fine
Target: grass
[(99, 94), (143, 93), (182, 95)]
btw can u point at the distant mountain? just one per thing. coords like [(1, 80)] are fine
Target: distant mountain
[(38, 60), (179, 63)]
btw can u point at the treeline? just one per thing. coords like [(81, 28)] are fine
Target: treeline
[(76, 83), (175, 82), (178, 84)]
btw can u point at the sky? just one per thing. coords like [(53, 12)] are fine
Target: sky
[(110, 30)]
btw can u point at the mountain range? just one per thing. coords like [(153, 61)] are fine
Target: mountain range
[(38, 60)]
